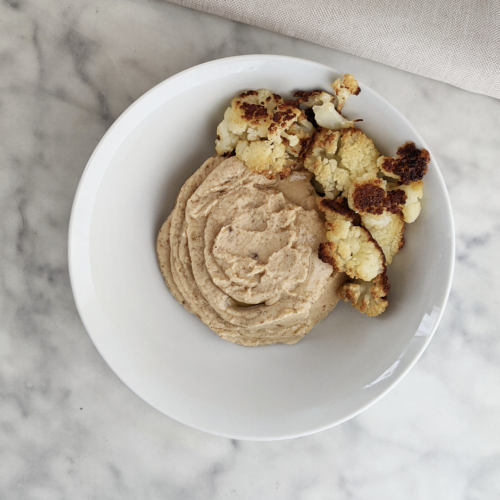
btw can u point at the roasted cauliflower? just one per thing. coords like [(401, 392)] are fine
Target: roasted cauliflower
[(344, 88), (358, 156), (248, 117), (265, 132), (368, 198), (349, 249), (410, 165), (263, 156), (368, 297)]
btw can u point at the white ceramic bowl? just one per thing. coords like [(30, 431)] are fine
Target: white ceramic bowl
[(166, 355)]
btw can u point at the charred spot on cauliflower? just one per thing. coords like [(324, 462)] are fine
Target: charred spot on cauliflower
[(344, 88), (368, 195), (368, 297), (349, 248), (265, 132), (410, 165)]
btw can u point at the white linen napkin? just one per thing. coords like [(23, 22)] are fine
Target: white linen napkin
[(455, 41)]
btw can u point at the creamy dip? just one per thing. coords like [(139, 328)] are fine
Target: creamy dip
[(241, 252)]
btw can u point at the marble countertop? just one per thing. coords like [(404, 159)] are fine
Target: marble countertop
[(70, 429)]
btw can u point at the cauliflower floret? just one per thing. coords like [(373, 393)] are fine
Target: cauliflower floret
[(412, 207), (349, 249), (410, 166), (322, 104), (345, 88), (226, 139), (368, 297), (337, 169), (258, 155), (387, 230), (358, 156), (380, 212), (248, 117), (321, 160), (263, 117)]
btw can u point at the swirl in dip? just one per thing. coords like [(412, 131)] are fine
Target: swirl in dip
[(241, 252)]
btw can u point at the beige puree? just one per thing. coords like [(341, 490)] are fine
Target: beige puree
[(241, 252)]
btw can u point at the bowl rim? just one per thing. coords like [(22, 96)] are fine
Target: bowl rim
[(81, 202)]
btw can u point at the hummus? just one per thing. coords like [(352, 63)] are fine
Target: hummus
[(241, 252)]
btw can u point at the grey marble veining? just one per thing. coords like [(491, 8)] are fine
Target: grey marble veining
[(70, 429)]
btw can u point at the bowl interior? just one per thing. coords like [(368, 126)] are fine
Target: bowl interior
[(166, 355)]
